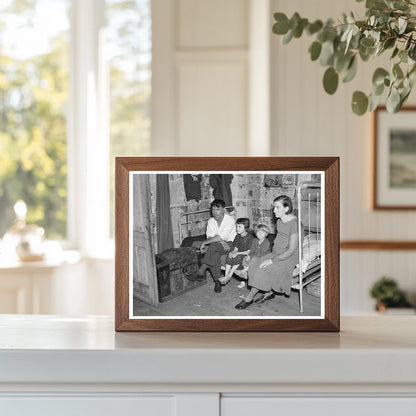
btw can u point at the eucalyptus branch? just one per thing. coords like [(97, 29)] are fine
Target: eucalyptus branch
[(388, 26)]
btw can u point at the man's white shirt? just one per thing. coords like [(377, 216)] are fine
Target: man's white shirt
[(226, 230)]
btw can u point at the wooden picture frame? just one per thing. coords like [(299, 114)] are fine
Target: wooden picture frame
[(137, 212), (394, 158)]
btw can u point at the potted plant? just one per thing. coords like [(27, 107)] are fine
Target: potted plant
[(387, 294), (389, 27)]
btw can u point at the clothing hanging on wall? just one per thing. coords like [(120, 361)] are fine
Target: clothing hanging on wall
[(163, 215), (220, 185), (192, 184)]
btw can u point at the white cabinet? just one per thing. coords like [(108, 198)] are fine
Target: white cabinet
[(79, 366), (88, 406), (323, 406)]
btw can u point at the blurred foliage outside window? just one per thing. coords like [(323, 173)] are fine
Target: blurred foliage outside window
[(34, 67), (33, 100), (129, 51)]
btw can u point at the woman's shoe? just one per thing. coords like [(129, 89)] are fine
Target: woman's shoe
[(264, 298), (243, 304)]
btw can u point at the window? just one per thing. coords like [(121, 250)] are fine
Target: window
[(129, 46), (75, 87), (33, 97)]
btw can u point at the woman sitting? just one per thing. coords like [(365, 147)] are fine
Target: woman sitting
[(273, 272)]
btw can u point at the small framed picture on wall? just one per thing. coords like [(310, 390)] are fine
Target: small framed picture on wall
[(394, 150)]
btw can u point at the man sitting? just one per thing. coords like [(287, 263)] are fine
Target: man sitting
[(220, 231)]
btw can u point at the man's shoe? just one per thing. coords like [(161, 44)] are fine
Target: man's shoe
[(217, 288), (264, 298), (243, 304)]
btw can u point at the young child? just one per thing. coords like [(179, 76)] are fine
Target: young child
[(242, 243), (259, 247)]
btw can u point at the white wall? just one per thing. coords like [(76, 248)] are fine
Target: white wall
[(203, 100), (308, 122)]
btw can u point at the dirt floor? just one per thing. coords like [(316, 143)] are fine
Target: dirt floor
[(203, 301)]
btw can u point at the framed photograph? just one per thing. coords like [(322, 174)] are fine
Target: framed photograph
[(394, 180), (227, 244)]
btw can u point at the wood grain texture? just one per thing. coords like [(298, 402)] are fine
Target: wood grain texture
[(121, 244), (378, 245), (329, 165)]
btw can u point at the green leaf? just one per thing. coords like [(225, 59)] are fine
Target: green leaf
[(403, 56), (366, 53), (294, 20), (327, 53), (351, 71), (314, 27), (367, 42), (359, 103), (342, 62), (378, 89), (389, 43), (397, 71), (281, 27), (395, 52), (376, 4), (379, 75), (315, 50), (374, 102), (393, 101), (298, 30), (402, 25), (408, 42), (288, 37), (330, 80)]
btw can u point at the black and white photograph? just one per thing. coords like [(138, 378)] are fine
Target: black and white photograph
[(226, 244)]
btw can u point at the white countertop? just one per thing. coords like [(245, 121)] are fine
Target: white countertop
[(53, 349)]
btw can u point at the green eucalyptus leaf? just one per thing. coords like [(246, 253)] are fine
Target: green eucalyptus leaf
[(288, 37), (374, 102), (281, 27), (389, 43), (379, 75), (397, 71), (367, 42), (387, 82), (322, 36), (330, 80), (314, 27), (412, 52), (366, 53), (300, 26), (404, 96), (408, 42), (402, 22), (403, 56), (341, 62), (378, 89), (395, 52), (359, 103), (327, 54), (393, 101), (376, 4), (350, 73), (400, 5), (315, 50)]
